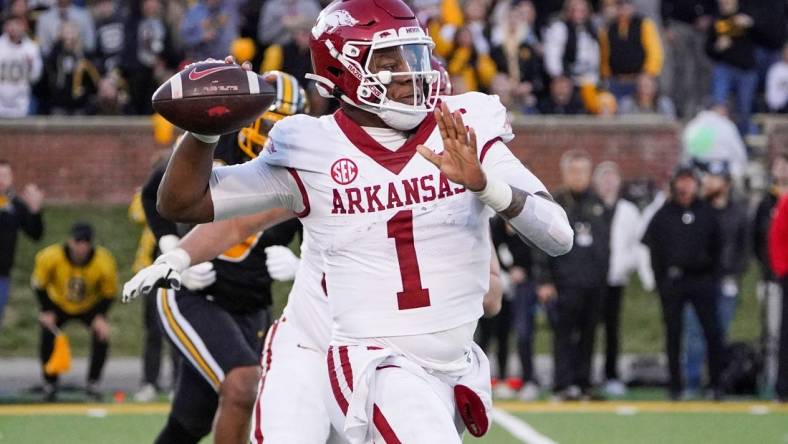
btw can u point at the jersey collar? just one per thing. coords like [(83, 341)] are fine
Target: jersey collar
[(393, 161)]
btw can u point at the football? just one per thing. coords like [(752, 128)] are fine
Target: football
[(213, 98)]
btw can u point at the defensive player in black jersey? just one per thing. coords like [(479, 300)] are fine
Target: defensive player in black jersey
[(219, 317)]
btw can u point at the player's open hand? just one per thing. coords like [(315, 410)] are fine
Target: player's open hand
[(459, 161)]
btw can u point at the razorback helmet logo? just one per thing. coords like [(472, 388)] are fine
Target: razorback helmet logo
[(331, 22)]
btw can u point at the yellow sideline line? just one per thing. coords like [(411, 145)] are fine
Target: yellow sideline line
[(624, 407), (82, 409), (621, 407)]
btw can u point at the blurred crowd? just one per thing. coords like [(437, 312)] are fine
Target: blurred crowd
[(670, 57), (692, 244)]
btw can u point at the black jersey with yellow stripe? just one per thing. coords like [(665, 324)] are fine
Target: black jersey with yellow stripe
[(242, 280)]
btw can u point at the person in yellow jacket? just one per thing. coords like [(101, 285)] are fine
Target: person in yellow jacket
[(629, 46), (75, 280)]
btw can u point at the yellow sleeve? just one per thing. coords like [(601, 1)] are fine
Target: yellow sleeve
[(272, 59), (136, 212), (145, 248), (458, 61), (451, 12), (604, 54), (652, 45), (486, 69), (109, 279), (42, 270), (590, 97), (442, 46)]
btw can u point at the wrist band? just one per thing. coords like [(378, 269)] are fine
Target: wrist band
[(497, 195), (178, 259), (205, 139)]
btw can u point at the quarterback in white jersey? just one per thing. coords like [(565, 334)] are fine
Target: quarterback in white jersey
[(403, 237)]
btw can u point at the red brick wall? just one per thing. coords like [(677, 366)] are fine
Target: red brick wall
[(103, 160)]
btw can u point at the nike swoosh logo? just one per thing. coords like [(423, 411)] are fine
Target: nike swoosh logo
[(197, 75)]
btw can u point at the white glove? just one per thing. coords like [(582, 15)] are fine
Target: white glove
[(168, 242), (164, 273), (281, 262), (199, 276)]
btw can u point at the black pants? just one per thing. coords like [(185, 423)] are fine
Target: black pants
[(212, 342), (98, 348), (153, 344), (782, 360), (524, 312), (498, 327), (612, 320), (573, 316), (701, 292)]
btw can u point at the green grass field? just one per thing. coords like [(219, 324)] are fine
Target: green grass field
[(642, 327), (591, 423)]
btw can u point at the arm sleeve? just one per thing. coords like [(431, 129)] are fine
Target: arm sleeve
[(655, 57), (158, 225), (43, 300), (554, 44), (774, 97), (604, 53), (31, 223), (542, 221), (255, 186), (36, 65), (109, 282)]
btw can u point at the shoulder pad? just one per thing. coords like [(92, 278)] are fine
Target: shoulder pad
[(485, 114), (295, 142)]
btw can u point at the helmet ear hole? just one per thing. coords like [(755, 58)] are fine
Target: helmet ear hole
[(334, 71)]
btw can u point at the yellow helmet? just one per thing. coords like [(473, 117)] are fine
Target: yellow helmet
[(290, 100)]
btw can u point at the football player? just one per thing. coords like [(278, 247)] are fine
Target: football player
[(219, 318), (404, 238)]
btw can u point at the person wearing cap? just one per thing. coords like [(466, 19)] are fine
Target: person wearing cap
[(685, 242), (75, 280), (733, 218)]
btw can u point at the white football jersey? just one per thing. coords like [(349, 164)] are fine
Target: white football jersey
[(307, 304), (404, 250)]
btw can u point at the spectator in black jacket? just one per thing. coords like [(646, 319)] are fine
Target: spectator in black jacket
[(520, 299), (685, 242), (769, 288), (688, 68), (17, 212), (730, 44), (572, 286), (734, 228)]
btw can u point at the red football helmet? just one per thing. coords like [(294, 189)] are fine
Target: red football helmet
[(344, 39)]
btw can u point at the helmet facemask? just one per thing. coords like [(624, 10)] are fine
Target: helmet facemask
[(394, 61)]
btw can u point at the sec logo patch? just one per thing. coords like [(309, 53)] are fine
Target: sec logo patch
[(344, 171)]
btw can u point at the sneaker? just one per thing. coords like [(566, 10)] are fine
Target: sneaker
[(93, 392), (50, 392), (571, 393), (147, 393), (503, 391), (614, 388), (529, 392)]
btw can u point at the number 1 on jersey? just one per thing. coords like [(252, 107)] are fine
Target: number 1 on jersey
[(400, 228)]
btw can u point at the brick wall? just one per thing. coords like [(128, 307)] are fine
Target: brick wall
[(104, 159)]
